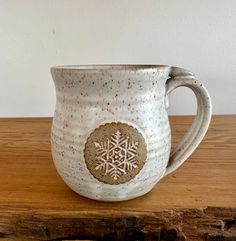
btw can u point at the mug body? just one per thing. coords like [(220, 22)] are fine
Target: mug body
[(110, 134)]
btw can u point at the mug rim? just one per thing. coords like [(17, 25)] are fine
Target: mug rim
[(102, 67)]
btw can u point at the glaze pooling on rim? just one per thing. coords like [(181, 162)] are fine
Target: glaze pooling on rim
[(93, 96)]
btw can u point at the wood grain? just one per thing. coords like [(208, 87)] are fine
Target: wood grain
[(33, 196), (185, 224)]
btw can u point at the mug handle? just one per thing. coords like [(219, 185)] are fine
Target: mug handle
[(181, 77)]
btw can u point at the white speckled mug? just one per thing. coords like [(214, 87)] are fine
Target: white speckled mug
[(111, 136)]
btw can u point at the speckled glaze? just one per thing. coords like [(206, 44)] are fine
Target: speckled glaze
[(93, 97)]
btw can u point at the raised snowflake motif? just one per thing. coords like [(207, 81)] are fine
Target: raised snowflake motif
[(116, 156)]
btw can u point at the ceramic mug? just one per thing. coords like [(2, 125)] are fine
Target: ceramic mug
[(111, 137)]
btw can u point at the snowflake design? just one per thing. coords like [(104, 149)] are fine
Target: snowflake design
[(116, 156)]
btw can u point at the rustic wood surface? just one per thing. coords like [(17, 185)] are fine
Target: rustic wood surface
[(35, 204)]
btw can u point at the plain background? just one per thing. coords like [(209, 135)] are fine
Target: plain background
[(199, 35)]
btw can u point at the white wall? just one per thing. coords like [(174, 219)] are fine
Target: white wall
[(199, 35)]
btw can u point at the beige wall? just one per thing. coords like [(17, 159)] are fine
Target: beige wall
[(35, 34)]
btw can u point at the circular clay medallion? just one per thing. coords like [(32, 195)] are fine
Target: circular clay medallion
[(115, 153)]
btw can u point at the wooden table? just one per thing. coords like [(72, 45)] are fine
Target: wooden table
[(197, 202)]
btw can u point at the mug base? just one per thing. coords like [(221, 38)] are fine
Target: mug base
[(113, 198)]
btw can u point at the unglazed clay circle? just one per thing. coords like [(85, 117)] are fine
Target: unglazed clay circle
[(115, 153)]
